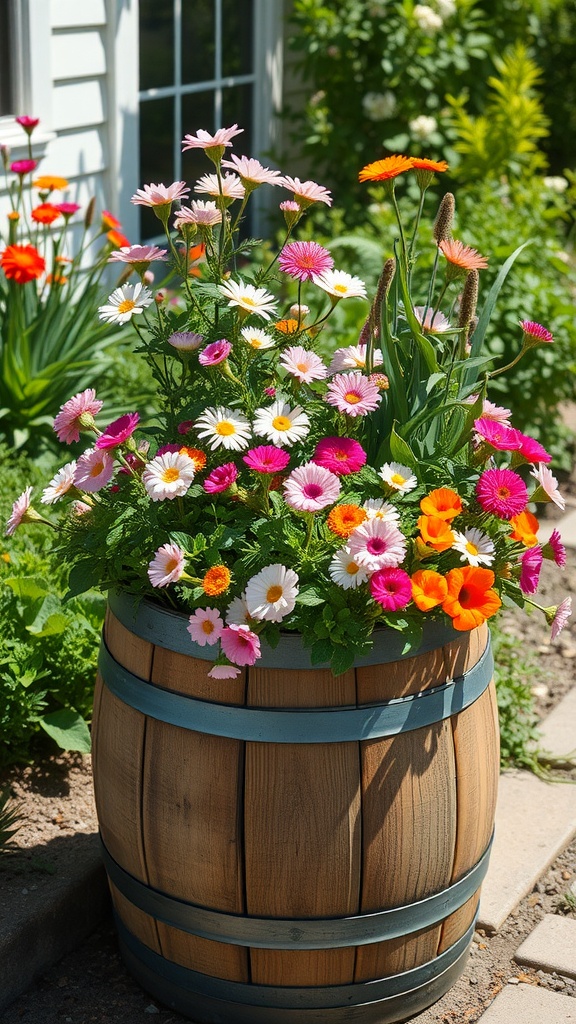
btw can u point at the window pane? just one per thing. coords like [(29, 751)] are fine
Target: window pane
[(237, 26), (198, 29), (156, 44), (197, 112), (7, 104), (237, 109), (156, 155)]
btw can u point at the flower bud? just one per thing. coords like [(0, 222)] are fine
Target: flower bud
[(89, 215), (444, 219)]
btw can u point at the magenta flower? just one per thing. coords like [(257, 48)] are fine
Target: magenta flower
[(498, 435), (391, 588), (118, 431), (23, 166), (561, 616), (160, 195), (302, 260), (76, 414), (28, 123), (534, 334), (167, 566), (341, 455), (94, 470), (205, 626), (531, 564), (267, 458), (310, 488), (531, 450), (502, 492), (377, 544), (353, 394), (215, 353), (555, 549), (240, 645), (68, 209), (221, 478)]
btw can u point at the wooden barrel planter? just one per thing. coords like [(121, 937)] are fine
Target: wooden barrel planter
[(288, 846)]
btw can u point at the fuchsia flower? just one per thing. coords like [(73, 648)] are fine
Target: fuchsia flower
[(94, 470), (167, 566), (205, 626), (68, 209), (76, 414), (502, 492), (391, 588), (27, 123), (240, 644), (561, 615), (341, 455), (531, 564), (498, 435), (185, 426), (534, 334), (221, 478), (305, 366), (353, 394), (23, 166), (555, 549), (119, 431), (267, 458), (215, 353), (302, 260), (531, 450), (310, 488)]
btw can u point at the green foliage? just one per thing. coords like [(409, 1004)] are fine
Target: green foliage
[(9, 820), (514, 667)]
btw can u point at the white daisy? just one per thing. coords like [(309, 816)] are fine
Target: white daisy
[(345, 572), (249, 298), (59, 484), (168, 476), (229, 186), (257, 338), (237, 613), (475, 547), (548, 489), (353, 357), (305, 366), (167, 566), (271, 594), (281, 424), (224, 427), (377, 508), (124, 303), (340, 285), (399, 477)]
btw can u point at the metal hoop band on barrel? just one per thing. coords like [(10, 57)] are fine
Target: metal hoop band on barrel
[(293, 933), (279, 725), (383, 1000)]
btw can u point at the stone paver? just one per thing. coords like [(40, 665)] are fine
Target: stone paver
[(529, 1004), (558, 732), (535, 821), (551, 946)]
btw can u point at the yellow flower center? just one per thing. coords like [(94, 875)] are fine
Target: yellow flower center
[(471, 548), (281, 423), (302, 367), (351, 568), (126, 306), (207, 627), (171, 565), (170, 475), (255, 342), (274, 593), (342, 288), (351, 397), (396, 478), (225, 428), (247, 301)]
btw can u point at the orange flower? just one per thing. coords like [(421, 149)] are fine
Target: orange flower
[(470, 600), (117, 239), (384, 170), (13, 215), (462, 256), (46, 213), (526, 527), (442, 503), (198, 457), (345, 518), (56, 279), (216, 581), (22, 263), (289, 326), (109, 221), (436, 532), (50, 182), (429, 589), (421, 164)]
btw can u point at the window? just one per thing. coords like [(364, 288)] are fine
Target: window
[(7, 50), (25, 79)]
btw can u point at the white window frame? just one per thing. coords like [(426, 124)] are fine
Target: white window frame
[(32, 77)]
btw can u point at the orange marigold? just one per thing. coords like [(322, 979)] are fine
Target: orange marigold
[(22, 263), (216, 581), (443, 503), (50, 182), (470, 599), (436, 532), (526, 527), (384, 170), (343, 519), (429, 589), (46, 213), (461, 256), (196, 454)]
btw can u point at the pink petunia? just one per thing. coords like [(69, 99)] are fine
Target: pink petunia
[(205, 626), (240, 644), (215, 353), (531, 564), (353, 394), (302, 260), (94, 470), (267, 458), (377, 544), (119, 431), (304, 365), (391, 588), (561, 616), (310, 488), (167, 566), (221, 478), (502, 492), (223, 672), (341, 455), (498, 435), (555, 549), (76, 414), (548, 489)]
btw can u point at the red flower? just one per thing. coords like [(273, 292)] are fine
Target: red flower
[(22, 263), (45, 213)]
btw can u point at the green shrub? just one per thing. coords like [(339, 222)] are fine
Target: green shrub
[(519, 735)]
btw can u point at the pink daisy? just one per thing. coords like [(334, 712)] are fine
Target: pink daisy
[(205, 626), (341, 455), (76, 414), (118, 431), (534, 334), (137, 254), (203, 139), (555, 549), (305, 366), (561, 616), (215, 353), (160, 195), (94, 470), (200, 213), (221, 478), (489, 410), (185, 341), (227, 185), (391, 588), (498, 435), (302, 260), (377, 544), (292, 212), (310, 488), (59, 485), (432, 322), (240, 644), (167, 566), (251, 172), (306, 192), (531, 564), (502, 492), (223, 672), (548, 489), (267, 458), (353, 357), (19, 511), (353, 394)]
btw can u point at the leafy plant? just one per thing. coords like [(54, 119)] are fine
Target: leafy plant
[(519, 734), (9, 820)]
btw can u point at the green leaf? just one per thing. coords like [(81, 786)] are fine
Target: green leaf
[(68, 729), (26, 588), (342, 659), (52, 625), (183, 540), (308, 596), (401, 450), (82, 577), (321, 651)]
